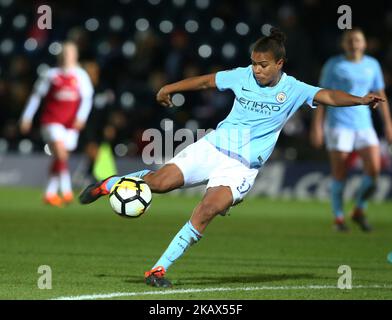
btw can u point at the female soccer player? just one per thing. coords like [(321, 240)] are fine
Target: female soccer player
[(67, 93), (351, 129), (228, 159)]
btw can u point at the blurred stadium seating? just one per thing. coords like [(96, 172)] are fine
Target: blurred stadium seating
[(132, 47)]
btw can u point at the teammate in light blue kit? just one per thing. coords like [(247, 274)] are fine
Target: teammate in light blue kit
[(351, 129), (228, 159)]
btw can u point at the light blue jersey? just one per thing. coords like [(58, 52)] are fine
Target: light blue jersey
[(249, 133), (356, 78)]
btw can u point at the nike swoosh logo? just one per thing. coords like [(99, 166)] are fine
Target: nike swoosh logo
[(244, 89), (184, 240), (258, 93)]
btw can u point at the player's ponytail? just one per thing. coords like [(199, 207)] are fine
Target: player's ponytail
[(275, 43), (277, 35)]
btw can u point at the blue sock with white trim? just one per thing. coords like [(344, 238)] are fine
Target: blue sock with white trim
[(138, 174), (185, 238)]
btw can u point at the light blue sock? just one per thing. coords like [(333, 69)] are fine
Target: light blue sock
[(337, 188), (186, 237), (138, 174), (366, 189)]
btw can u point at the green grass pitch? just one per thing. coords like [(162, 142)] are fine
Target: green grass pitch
[(266, 249)]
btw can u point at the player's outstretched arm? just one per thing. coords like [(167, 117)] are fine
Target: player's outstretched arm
[(41, 88), (338, 98), (26, 120), (190, 84)]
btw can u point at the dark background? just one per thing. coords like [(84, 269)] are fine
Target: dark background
[(130, 53)]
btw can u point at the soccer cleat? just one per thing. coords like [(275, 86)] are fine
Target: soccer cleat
[(340, 225), (94, 191), (68, 198), (53, 200), (156, 278), (358, 216)]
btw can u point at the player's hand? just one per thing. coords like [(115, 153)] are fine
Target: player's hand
[(317, 138), (78, 125), (164, 98), (25, 127), (372, 100)]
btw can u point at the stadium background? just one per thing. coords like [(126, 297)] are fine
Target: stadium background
[(267, 248), (131, 48)]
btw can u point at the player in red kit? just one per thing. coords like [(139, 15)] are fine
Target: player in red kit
[(67, 94)]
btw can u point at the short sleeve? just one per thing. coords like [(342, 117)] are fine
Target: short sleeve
[(228, 79), (378, 81), (326, 75), (307, 92)]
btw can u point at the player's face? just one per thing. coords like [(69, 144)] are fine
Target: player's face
[(354, 43), (265, 68), (69, 55)]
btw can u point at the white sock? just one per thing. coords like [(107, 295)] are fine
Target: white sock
[(65, 182), (53, 184)]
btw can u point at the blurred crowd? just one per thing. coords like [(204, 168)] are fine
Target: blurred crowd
[(131, 48)]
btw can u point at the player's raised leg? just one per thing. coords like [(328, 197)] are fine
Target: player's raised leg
[(339, 172), (372, 164), (215, 201), (167, 178)]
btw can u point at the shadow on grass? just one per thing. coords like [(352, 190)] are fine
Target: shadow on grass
[(222, 280)]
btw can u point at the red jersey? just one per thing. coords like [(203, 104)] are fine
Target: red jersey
[(67, 96), (62, 101)]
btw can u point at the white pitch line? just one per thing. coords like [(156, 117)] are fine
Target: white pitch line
[(168, 292)]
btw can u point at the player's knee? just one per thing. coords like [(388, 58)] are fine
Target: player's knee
[(60, 152)]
